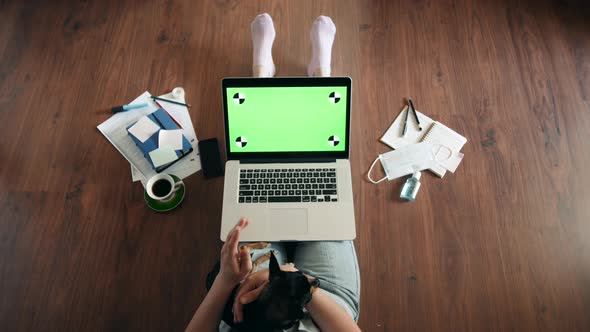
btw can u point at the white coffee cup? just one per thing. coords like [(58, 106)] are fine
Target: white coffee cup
[(162, 187)]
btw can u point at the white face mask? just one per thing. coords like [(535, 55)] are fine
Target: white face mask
[(405, 160)]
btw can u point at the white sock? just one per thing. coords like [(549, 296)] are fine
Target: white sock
[(263, 35), (322, 37)]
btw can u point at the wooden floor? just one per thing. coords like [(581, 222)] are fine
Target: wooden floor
[(501, 245)]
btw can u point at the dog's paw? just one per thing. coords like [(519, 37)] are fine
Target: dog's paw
[(255, 245)]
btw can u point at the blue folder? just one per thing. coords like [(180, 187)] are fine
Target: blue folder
[(164, 121)]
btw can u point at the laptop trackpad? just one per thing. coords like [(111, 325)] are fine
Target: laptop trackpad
[(288, 222)]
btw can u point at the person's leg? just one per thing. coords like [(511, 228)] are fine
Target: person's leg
[(335, 264), (322, 35), (263, 35)]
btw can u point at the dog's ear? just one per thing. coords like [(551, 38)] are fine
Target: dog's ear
[(314, 283), (273, 265)]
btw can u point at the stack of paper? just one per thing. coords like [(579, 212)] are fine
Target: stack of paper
[(114, 129), (446, 142)]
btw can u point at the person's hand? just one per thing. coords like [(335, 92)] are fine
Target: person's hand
[(251, 288), (235, 265)]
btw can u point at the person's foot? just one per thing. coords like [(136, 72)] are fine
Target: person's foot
[(322, 35), (263, 35)]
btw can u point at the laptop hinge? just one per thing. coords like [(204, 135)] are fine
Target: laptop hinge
[(285, 161)]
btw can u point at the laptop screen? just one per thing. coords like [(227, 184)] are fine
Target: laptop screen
[(287, 119)]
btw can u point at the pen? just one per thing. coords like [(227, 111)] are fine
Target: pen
[(170, 101), (124, 108), (406, 121), (415, 114)]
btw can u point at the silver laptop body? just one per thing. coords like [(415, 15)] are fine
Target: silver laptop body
[(288, 170)]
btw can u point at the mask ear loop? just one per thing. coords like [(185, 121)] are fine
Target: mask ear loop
[(439, 151), (369, 173)]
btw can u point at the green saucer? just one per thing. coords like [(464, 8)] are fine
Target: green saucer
[(168, 205)]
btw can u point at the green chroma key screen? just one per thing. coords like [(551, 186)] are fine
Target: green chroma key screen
[(287, 119)]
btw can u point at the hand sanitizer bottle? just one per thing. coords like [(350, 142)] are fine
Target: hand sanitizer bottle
[(410, 188)]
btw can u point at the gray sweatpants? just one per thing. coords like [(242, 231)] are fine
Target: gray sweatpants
[(333, 262)]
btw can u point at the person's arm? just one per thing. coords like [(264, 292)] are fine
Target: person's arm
[(234, 267), (328, 315), (209, 313)]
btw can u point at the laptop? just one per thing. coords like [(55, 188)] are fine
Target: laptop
[(288, 169)]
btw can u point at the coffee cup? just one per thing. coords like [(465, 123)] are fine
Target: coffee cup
[(162, 187)]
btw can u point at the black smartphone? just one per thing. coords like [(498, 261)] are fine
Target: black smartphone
[(210, 158)]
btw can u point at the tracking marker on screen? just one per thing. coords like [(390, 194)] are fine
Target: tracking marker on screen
[(239, 98), (333, 140), (334, 97), (241, 141)]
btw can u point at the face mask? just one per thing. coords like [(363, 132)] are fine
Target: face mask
[(405, 160)]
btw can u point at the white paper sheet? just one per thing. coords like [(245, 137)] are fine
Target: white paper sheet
[(114, 129), (144, 129), (136, 176), (453, 162), (162, 156), (170, 138)]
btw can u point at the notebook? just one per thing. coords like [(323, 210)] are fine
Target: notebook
[(162, 120), (441, 135), (393, 136)]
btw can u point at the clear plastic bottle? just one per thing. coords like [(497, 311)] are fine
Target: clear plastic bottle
[(410, 188)]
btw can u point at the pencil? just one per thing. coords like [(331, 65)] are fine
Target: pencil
[(406, 121), (170, 101), (415, 114)]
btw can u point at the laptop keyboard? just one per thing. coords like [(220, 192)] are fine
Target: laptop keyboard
[(298, 185)]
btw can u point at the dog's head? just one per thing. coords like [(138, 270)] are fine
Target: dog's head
[(280, 304)]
